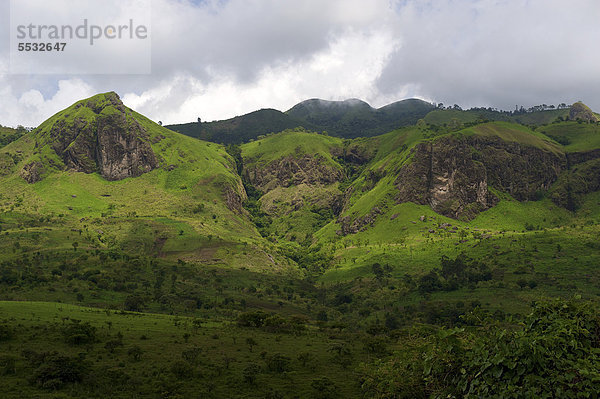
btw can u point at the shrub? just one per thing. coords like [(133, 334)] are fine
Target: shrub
[(181, 369), (555, 353), (55, 370), (77, 333), (135, 353), (250, 373), (324, 388), (278, 363), (6, 333)]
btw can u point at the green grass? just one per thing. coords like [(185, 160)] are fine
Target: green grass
[(541, 117), (441, 117), (513, 133), (577, 137), (223, 354), (290, 143)]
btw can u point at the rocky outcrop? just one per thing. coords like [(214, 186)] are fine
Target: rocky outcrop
[(33, 172), (352, 226), (580, 111), (288, 171), (574, 184), (108, 140), (234, 197), (575, 158), (453, 174), (122, 150)]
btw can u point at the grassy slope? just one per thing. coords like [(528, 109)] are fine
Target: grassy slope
[(400, 223), (164, 199), (541, 118), (513, 133), (576, 136), (290, 142), (441, 117), (223, 354), (288, 220)]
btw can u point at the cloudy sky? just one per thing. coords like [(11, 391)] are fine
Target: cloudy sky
[(215, 59)]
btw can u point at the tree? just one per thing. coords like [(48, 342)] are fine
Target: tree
[(278, 363), (324, 388), (135, 352), (78, 332), (304, 358), (251, 343), (250, 373), (54, 370), (377, 271), (134, 303), (554, 353)]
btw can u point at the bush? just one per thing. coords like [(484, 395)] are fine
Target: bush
[(135, 353), (8, 365), (181, 369), (278, 363), (324, 388), (55, 370), (78, 333), (250, 373), (555, 353), (5, 333), (134, 303)]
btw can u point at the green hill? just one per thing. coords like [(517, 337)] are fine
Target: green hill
[(347, 119), (172, 195), (241, 128), (535, 118), (574, 136), (355, 118)]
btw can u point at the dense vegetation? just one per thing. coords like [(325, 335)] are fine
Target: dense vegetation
[(347, 119)]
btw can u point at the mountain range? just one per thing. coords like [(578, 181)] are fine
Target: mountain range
[(349, 119)]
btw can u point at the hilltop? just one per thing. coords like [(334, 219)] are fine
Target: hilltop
[(347, 119), (122, 181)]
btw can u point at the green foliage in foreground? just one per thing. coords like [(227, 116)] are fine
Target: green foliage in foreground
[(553, 353)]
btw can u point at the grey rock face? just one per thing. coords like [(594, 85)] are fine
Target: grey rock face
[(453, 174)]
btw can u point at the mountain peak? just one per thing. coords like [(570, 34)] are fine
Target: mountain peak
[(317, 106), (98, 134), (581, 111)]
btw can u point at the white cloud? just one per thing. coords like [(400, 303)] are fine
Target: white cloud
[(348, 67), (498, 52), (30, 108), (220, 58)]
